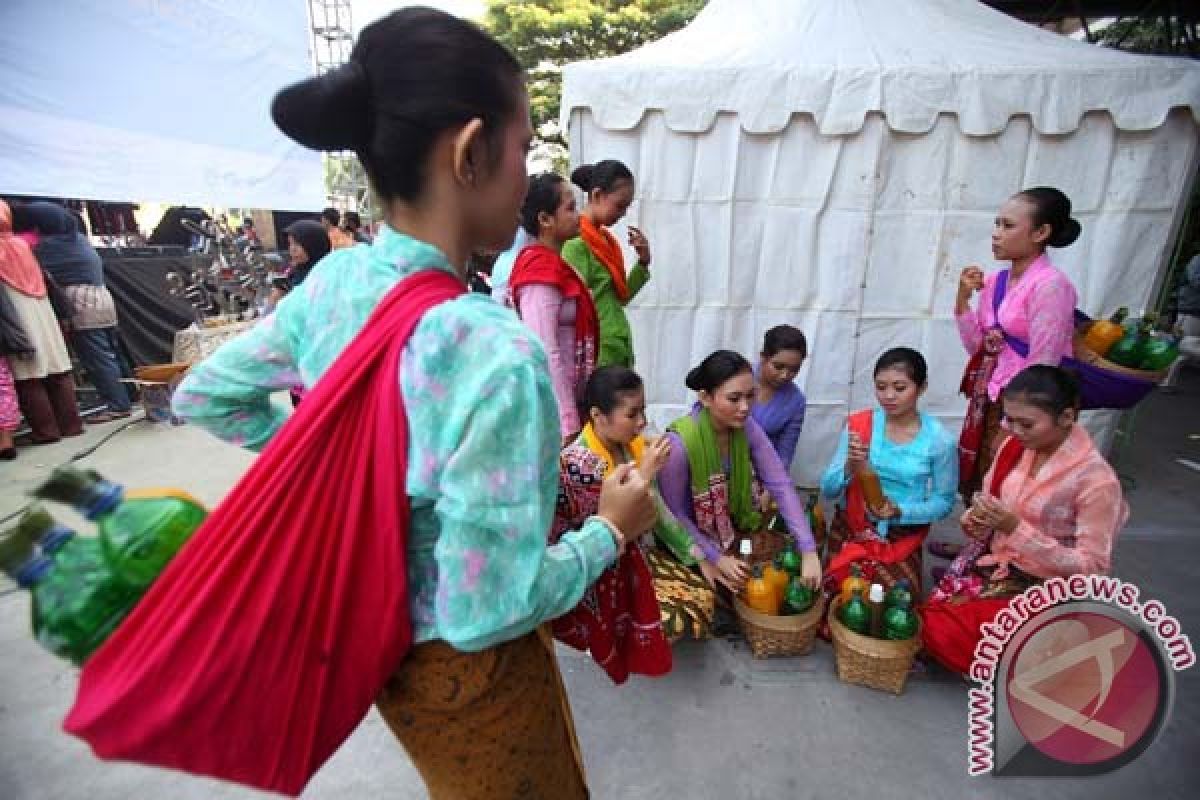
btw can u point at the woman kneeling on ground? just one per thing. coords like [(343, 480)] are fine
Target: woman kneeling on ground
[(708, 483), (626, 618), (917, 464), (1051, 507)]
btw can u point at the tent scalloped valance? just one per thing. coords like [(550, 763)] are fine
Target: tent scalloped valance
[(765, 104), (765, 60)]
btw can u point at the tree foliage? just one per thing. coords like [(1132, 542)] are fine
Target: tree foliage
[(546, 34), (1162, 35)]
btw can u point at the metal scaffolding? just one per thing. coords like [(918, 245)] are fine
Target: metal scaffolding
[(333, 39)]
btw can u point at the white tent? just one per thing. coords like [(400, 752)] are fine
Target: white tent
[(833, 165), (156, 101)]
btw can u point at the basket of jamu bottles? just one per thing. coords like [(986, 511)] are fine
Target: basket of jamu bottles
[(875, 637), (778, 613)]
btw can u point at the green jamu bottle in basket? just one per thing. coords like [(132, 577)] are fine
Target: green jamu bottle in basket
[(140, 531), (900, 621), (77, 600)]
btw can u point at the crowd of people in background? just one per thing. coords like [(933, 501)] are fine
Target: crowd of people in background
[(56, 312), (52, 294)]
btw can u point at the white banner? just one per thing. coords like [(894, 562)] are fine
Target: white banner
[(153, 100)]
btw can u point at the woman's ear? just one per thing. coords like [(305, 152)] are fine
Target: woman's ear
[(545, 220), (1068, 418), (1041, 234), (468, 152), (705, 397)]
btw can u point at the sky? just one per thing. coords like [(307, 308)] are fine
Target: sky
[(364, 12)]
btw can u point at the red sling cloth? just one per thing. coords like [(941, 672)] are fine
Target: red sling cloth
[(263, 644), (868, 550), (537, 263), (950, 628)]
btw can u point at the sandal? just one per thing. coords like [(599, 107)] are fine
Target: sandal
[(946, 550)]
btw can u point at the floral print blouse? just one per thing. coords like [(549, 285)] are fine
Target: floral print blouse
[(483, 449)]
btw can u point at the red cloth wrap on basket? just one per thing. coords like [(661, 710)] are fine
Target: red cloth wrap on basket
[(264, 643)]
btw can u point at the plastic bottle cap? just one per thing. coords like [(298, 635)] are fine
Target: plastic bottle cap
[(876, 595), (745, 548)]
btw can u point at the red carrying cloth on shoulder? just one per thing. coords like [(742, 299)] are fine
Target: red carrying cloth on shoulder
[(264, 643)]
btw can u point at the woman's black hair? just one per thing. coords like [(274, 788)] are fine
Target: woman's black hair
[(784, 337), (542, 197), (412, 75), (909, 361), (332, 216), (605, 387), (310, 235), (604, 175), (352, 221), (1051, 389), (713, 371), (1052, 207)]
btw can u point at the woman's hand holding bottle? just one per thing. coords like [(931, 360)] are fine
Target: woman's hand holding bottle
[(654, 457)]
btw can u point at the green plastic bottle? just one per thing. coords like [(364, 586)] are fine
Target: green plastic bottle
[(1130, 351), (140, 532), (797, 598), (1159, 353), (789, 561), (900, 621), (77, 602), (855, 614), (901, 591)]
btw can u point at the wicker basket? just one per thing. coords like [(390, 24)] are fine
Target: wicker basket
[(866, 661), (770, 636)]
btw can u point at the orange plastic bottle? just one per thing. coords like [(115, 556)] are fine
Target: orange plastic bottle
[(868, 481), (852, 583), (760, 595)]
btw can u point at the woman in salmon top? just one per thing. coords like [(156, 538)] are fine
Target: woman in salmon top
[(1051, 507)]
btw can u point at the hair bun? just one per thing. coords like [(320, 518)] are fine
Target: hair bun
[(1067, 234), (327, 112), (582, 177), (695, 375)]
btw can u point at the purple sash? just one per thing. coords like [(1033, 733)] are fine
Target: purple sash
[(1098, 387)]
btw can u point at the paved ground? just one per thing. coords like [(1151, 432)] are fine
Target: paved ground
[(720, 726)]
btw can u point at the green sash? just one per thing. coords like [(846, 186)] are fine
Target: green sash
[(717, 500)]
